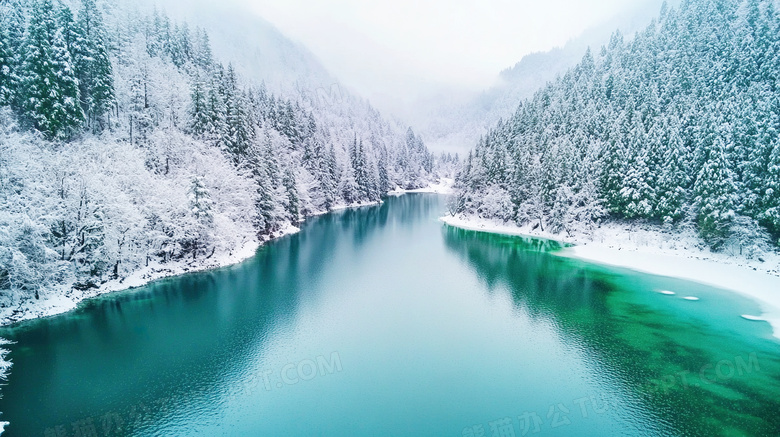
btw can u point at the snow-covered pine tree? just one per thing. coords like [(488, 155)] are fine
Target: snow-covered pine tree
[(201, 207), (237, 132), (7, 78), (202, 47), (198, 109), (673, 181), (714, 192), (12, 34), (293, 200), (139, 114), (215, 104), (365, 178), (348, 186), (383, 178), (93, 66), (771, 214), (69, 30), (330, 177), (67, 115), (51, 94)]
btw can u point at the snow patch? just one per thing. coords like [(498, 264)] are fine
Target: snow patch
[(342, 207), (444, 186)]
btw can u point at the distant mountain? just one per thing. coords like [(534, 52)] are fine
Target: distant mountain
[(455, 124), (255, 47)]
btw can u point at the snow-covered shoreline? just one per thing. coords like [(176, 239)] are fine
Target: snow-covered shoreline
[(62, 301), (68, 300), (651, 251), (445, 186)]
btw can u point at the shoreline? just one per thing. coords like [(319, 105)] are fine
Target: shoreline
[(69, 299), (445, 186), (62, 300), (756, 280)]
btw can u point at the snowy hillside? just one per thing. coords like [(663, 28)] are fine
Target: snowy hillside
[(127, 145), (678, 127), (257, 49)]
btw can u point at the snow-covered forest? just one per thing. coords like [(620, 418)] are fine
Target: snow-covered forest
[(124, 142), (678, 127)]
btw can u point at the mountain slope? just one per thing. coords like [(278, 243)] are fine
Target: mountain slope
[(677, 127), (128, 149)]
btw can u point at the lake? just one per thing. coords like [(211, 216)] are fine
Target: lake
[(382, 321)]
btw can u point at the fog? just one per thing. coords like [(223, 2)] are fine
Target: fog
[(406, 56), (393, 51)]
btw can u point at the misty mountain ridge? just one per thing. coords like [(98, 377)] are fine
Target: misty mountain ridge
[(456, 124)]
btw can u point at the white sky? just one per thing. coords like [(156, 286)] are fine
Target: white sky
[(391, 49)]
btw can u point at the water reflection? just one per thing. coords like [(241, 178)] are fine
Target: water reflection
[(699, 373)]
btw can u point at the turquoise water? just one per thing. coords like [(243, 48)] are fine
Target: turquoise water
[(382, 321)]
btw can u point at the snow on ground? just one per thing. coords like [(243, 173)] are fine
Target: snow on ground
[(444, 186), (655, 252), (350, 206)]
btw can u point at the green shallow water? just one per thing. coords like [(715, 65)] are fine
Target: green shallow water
[(382, 321)]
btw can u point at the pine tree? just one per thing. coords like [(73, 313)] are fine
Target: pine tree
[(201, 204), (203, 56), (673, 181), (7, 78), (201, 207), (51, 95), (383, 176), (198, 109), (141, 120), (184, 45), (237, 131), (613, 167), (69, 29), (771, 215), (714, 196), (293, 201), (12, 37), (330, 177), (263, 161), (363, 176), (638, 195), (349, 188), (215, 103), (68, 113), (92, 64)]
